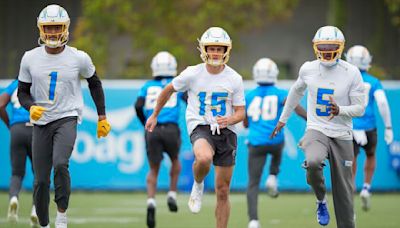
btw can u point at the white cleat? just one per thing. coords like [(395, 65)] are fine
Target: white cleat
[(254, 224), (34, 221), (365, 199), (12, 215), (61, 220), (195, 197), (272, 186), (48, 226)]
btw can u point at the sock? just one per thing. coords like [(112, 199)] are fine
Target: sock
[(172, 194), (322, 201), (367, 186), (62, 214), (151, 202)]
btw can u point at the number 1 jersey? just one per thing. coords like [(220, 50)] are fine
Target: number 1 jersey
[(55, 81), (209, 95)]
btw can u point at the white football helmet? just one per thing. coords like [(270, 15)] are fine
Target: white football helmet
[(218, 37), (53, 15), (328, 44), (163, 64), (359, 56), (265, 71)]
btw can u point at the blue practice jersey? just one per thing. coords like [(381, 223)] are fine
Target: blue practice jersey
[(150, 91), (367, 121), (264, 106), (18, 113)]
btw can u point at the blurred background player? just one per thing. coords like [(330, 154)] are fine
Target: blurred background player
[(166, 135), (264, 105), (364, 128), (215, 104), (335, 95), (20, 147), (49, 87)]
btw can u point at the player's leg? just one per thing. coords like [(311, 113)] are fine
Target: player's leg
[(369, 169), (154, 149), (42, 147), (340, 159), (256, 162), (63, 144), (34, 221), (272, 182), (223, 175), (172, 144), (18, 160), (356, 148), (316, 147), (203, 151)]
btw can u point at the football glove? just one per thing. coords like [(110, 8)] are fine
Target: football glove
[(36, 112), (103, 128), (360, 137), (388, 135)]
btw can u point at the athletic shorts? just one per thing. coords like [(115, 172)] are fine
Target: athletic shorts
[(372, 141), (224, 145), (164, 138)]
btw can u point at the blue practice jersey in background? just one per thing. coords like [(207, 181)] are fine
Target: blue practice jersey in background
[(18, 113), (367, 121), (150, 92), (264, 106)]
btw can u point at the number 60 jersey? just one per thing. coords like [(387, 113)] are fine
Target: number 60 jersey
[(209, 95), (55, 81), (341, 82)]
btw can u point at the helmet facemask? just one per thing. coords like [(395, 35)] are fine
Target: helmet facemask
[(214, 62), (328, 51), (53, 39)]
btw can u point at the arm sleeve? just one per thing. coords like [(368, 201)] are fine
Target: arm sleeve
[(238, 98), (357, 96), (139, 104), (87, 69), (296, 92), (383, 107), (24, 95), (97, 93), (24, 74)]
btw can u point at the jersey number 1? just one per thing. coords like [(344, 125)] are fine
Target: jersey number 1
[(53, 81)]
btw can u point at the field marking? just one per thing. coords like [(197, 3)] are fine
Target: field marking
[(85, 220)]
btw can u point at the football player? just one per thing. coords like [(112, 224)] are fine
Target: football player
[(335, 96), (364, 128), (20, 147), (49, 88), (215, 104), (264, 105), (166, 135)]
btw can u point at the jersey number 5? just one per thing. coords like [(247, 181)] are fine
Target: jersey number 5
[(323, 101), (266, 106), (218, 103)]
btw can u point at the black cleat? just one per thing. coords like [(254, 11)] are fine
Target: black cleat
[(151, 217), (173, 207)]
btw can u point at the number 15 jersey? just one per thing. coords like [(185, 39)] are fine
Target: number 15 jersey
[(55, 81), (209, 95)]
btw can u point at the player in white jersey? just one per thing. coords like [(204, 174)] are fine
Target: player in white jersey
[(335, 95), (215, 104), (49, 88)]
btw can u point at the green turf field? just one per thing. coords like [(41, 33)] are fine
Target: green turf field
[(103, 209)]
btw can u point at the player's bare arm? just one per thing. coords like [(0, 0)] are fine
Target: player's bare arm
[(238, 115), (4, 99), (161, 100)]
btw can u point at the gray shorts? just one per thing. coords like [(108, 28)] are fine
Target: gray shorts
[(224, 145), (164, 138)]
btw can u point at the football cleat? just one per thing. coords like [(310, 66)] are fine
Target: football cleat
[(195, 197), (34, 221), (151, 216), (12, 215), (254, 224), (61, 220), (172, 206), (322, 213), (365, 199), (272, 186)]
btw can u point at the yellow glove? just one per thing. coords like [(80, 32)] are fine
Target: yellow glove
[(103, 128), (35, 112)]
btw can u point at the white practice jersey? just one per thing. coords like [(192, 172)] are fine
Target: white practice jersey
[(209, 95), (56, 81), (341, 82)]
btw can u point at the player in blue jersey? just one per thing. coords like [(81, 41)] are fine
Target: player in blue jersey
[(365, 127), (20, 147), (166, 135), (264, 105)]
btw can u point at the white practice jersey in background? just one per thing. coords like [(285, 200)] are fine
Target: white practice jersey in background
[(341, 82), (56, 81), (209, 95)]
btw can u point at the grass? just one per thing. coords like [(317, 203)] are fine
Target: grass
[(124, 209)]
